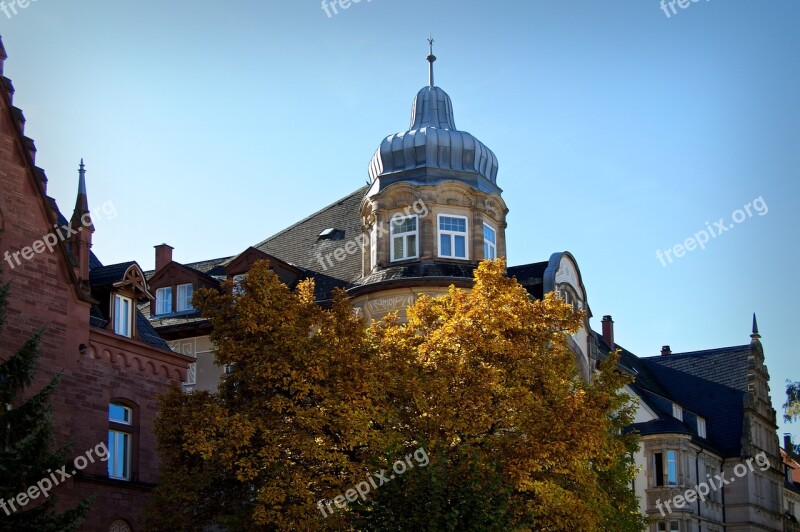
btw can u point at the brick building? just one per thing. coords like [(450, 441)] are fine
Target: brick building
[(112, 362)]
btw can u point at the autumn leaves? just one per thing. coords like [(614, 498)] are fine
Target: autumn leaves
[(484, 382)]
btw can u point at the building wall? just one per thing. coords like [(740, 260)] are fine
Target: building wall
[(44, 297), (206, 371), (693, 463)]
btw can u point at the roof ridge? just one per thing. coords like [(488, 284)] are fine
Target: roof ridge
[(327, 207), (192, 264), (700, 352)]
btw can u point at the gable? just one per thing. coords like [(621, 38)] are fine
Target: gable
[(241, 264)]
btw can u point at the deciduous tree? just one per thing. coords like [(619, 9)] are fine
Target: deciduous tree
[(484, 380)]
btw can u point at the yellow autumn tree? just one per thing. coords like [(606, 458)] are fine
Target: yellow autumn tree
[(482, 384)]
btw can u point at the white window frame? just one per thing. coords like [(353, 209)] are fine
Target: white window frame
[(373, 247), (166, 300), (452, 234), (701, 427), (393, 222), (119, 445), (123, 322), (492, 247), (677, 411), (237, 284), (183, 304), (668, 480)]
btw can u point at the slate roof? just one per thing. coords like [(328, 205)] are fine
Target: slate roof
[(711, 383), (531, 276), (108, 275), (416, 270), (300, 245), (213, 268)]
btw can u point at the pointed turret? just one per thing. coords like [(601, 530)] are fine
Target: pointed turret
[(755, 335), (80, 241), (3, 55)]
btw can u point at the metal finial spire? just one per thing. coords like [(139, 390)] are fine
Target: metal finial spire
[(82, 178), (431, 59), (755, 334)]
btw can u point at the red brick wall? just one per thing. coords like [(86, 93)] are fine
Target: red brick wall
[(44, 295)]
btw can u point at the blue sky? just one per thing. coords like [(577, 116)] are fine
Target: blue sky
[(620, 131)]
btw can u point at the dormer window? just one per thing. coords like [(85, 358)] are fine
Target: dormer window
[(677, 412), (185, 292), (164, 300), (701, 427), (404, 235), (453, 237), (123, 315), (331, 233)]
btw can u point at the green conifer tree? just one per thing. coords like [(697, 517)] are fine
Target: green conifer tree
[(26, 439)]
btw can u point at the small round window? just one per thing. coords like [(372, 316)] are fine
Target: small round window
[(119, 525)]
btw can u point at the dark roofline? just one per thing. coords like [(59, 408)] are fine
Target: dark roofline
[(717, 350), (38, 179), (365, 188), (205, 276), (406, 282)]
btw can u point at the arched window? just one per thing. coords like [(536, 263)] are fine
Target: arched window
[(119, 525)]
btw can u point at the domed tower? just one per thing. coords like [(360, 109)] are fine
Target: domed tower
[(433, 210)]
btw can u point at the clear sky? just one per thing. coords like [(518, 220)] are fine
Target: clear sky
[(620, 131)]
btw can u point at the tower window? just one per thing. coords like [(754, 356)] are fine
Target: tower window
[(373, 247), (404, 235), (489, 242), (453, 237)]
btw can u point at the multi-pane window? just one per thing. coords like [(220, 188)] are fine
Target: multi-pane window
[(164, 300), (123, 312), (453, 237), (677, 411), (185, 292), (701, 427), (671, 526), (489, 242), (120, 419), (404, 235)]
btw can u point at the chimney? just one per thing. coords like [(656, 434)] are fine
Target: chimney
[(163, 255), (787, 443), (666, 351), (608, 331)]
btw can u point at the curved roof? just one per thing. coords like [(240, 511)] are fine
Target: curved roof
[(433, 142)]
